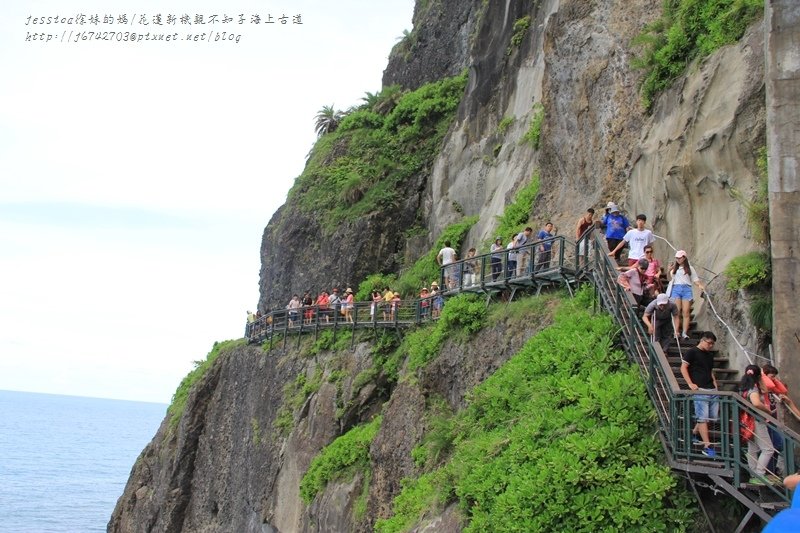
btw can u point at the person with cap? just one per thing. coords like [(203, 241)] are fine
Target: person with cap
[(424, 303), (682, 275), (348, 305), (616, 227), (497, 258), (634, 280), (661, 318), (637, 239)]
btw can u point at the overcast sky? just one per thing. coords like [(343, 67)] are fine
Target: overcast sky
[(136, 178)]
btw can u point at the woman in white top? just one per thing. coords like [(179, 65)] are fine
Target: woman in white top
[(682, 275)]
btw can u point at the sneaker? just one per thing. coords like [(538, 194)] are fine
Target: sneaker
[(709, 452), (696, 439), (684, 336)]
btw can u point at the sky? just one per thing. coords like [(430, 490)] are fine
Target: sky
[(136, 178)]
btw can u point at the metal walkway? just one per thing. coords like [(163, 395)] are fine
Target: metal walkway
[(569, 264)]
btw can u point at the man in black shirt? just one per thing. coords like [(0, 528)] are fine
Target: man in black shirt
[(697, 369)]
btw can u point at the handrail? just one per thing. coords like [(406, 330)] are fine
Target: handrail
[(672, 403)]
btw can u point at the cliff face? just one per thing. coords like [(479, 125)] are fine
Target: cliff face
[(228, 467)]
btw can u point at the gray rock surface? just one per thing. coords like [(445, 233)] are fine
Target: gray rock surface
[(225, 468)]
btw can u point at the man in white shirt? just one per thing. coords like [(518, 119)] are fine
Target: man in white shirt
[(446, 256), (637, 239)]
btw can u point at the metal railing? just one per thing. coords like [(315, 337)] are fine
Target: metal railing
[(673, 405), (567, 263)]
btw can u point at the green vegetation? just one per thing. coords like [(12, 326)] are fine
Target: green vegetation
[(533, 135), (175, 410), (518, 212), (423, 271), (758, 208), (255, 427), (504, 124), (463, 315), (363, 164), (521, 26), (686, 30), (295, 394), (751, 270), (560, 438), (340, 459), (761, 312)]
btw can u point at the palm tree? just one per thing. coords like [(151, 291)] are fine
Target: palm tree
[(327, 120)]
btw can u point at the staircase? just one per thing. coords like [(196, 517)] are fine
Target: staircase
[(728, 471), (587, 262)]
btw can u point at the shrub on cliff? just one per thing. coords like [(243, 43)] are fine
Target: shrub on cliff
[(363, 165), (560, 438), (688, 29), (340, 459), (175, 410)]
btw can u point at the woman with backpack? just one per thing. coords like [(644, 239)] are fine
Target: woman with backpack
[(759, 447)]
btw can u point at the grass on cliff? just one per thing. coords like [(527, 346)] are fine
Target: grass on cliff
[(340, 459), (560, 438), (686, 30), (175, 410), (517, 213), (364, 165)]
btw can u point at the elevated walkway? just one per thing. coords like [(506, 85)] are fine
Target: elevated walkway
[(569, 264)]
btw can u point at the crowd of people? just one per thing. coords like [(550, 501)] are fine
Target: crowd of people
[(666, 314)]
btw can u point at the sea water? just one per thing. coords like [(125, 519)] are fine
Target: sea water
[(64, 460)]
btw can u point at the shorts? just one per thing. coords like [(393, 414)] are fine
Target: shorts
[(706, 407), (682, 292)]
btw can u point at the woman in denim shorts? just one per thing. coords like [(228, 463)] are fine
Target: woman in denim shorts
[(682, 275)]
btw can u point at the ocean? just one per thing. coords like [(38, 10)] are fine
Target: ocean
[(64, 460)]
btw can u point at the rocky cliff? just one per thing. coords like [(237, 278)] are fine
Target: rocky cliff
[(235, 459)]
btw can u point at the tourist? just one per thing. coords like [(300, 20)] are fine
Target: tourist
[(545, 248), (471, 269), (388, 296), (633, 281), (497, 258), (436, 300), (616, 227), (521, 242), (637, 239), (445, 257), (585, 223), (697, 369), (376, 302), (682, 275), (335, 303), (759, 447), (308, 312), (293, 306), (424, 303), (322, 304), (661, 318), (348, 305), (511, 257), (653, 274)]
